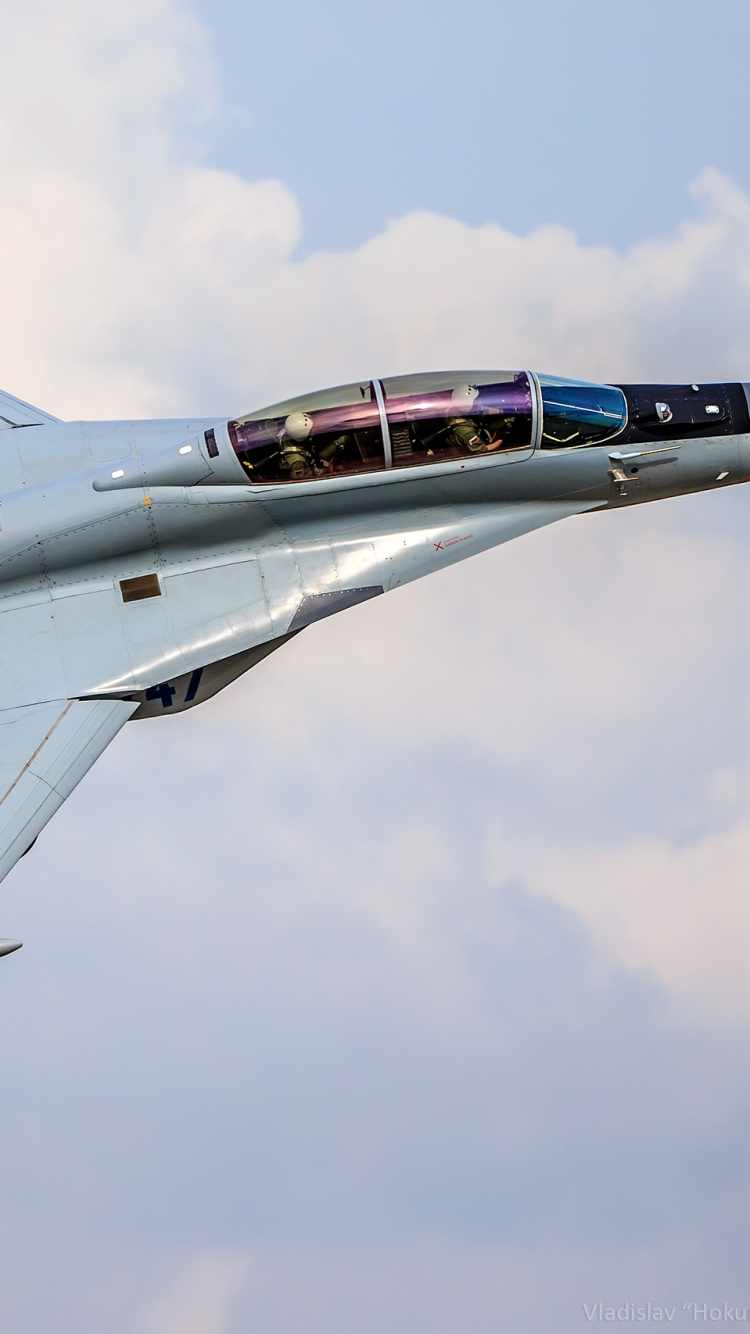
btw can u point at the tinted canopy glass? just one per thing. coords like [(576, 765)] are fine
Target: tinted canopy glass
[(430, 419), (318, 435), (455, 415), (578, 413)]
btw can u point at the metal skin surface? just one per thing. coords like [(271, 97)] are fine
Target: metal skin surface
[(242, 567)]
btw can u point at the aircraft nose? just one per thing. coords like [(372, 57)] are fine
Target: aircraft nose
[(8, 946)]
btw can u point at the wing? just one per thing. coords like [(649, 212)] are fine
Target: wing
[(45, 749), (14, 412)]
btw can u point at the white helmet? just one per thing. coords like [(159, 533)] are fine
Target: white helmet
[(298, 425), (462, 398)]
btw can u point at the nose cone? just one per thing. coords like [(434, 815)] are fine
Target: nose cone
[(8, 946)]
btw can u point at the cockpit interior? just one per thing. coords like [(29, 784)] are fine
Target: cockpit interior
[(415, 420)]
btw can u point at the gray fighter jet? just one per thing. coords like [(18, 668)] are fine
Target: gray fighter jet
[(146, 564)]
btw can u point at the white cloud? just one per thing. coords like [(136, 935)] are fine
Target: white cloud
[(137, 280), (680, 912)]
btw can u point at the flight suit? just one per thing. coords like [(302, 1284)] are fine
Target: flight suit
[(468, 435), (295, 463)]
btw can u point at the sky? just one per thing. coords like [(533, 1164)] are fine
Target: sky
[(404, 986)]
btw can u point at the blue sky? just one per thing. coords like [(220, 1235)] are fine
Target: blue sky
[(593, 116), (403, 986)]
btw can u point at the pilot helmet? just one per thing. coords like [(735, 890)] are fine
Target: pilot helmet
[(462, 397), (298, 425)]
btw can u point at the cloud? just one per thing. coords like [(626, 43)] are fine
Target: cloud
[(191, 291), (680, 913), (591, 678), (137, 280)]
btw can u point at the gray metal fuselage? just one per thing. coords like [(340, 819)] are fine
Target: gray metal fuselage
[(85, 506), (145, 565)]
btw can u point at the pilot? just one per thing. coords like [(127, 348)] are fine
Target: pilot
[(295, 454), (465, 432)]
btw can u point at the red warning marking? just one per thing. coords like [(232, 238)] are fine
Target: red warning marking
[(452, 542)]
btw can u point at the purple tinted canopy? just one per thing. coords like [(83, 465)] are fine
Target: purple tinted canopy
[(464, 398)]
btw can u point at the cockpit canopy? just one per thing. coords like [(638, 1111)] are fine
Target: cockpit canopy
[(575, 412), (411, 420)]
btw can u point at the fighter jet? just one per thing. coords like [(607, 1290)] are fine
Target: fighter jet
[(144, 565)]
